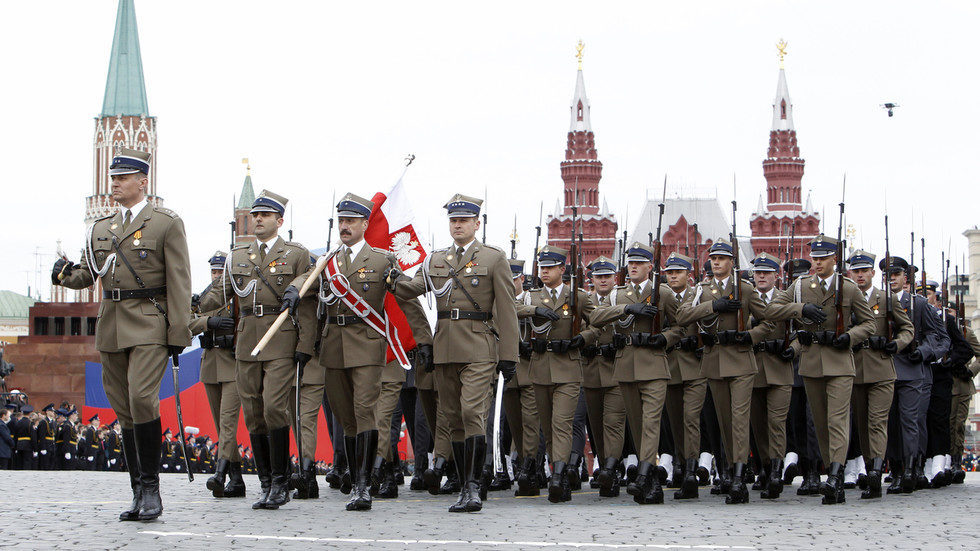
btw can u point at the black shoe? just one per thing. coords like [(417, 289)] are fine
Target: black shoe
[(574, 475), (559, 483), (148, 444), (959, 475), (236, 485), (378, 470), (833, 488), (474, 456), (527, 478), (260, 453), (388, 488), (873, 479), (921, 482), (216, 483), (350, 453), (811, 481), (279, 463), (689, 484), (724, 484), (897, 472), (133, 466), (501, 481), (433, 475), (738, 493), (646, 484), (332, 477), (452, 484), (485, 479), (608, 476), (774, 484), (761, 481), (365, 451), (677, 476), (748, 475), (304, 482), (398, 471), (909, 475)]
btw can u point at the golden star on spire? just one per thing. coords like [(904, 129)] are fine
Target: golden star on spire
[(579, 47), (248, 167), (781, 47)]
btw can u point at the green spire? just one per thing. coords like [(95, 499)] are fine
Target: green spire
[(248, 194), (125, 91)]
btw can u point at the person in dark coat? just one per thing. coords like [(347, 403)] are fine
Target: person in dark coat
[(7, 443)]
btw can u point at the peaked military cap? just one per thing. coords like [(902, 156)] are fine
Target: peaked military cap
[(462, 206), (516, 267), (47, 407), (93, 418), (12, 407), (130, 161), (930, 286), (765, 262), (898, 264), (61, 412), (722, 247), (861, 259), (26, 408), (352, 206), (638, 252), (602, 266), (797, 266), (822, 246), (167, 431), (217, 260), (269, 202), (677, 261), (551, 255)]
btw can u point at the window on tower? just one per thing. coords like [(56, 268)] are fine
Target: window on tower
[(782, 109), (580, 114)]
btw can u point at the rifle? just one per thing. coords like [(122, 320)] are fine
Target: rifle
[(737, 275), (235, 308), (697, 259), (657, 248), (788, 332), (621, 274), (960, 310), (484, 215), (839, 291), (574, 279), (924, 292), (535, 281), (889, 313), (513, 241)]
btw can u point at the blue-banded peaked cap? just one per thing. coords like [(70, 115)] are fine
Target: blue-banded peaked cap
[(861, 259), (129, 161), (723, 247), (352, 206), (638, 252), (516, 267), (269, 202), (765, 262), (822, 246), (677, 261), (602, 266), (550, 255), (463, 206), (217, 260)]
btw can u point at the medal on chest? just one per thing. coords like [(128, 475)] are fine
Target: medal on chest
[(136, 239)]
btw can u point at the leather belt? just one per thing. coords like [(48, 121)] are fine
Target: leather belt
[(121, 294), (457, 314), (259, 310), (344, 320)]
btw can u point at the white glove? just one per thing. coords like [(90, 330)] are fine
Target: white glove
[(112, 461), (91, 458), (44, 452), (177, 467), (35, 454), (165, 466), (67, 456)]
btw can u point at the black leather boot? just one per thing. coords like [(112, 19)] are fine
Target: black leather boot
[(433, 475), (366, 450), (792, 470), (305, 481), (811, 481), (260, 453), (761, 481), (909, 474), (527, 478), (459, 462), (485, 479), (873, 489), (418, 480), (607, 478), (501, 481), (388, 489), (652, 491), (774, 482), (689, 484), (397, 471), (559, 489), (724, 483), (335, 472), (959, 475), (574, 476), (474, 456), (216, 483), (133, 466), (677, 476), (646, 473), (748, 474), (896, 470), (148, 444), (350, 453), (378, 470), (236, 484), (833, 488), (453, 473), (921, 482), (279, 463), (738, 493)]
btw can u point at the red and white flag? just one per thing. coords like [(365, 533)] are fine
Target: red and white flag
[(390, 227)]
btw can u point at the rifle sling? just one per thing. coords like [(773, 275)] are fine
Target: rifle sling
[(139, 280), (476, 306)]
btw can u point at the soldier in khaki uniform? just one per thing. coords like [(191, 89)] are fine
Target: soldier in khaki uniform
[(728, 361), (139, 256), (556, 361), (603, 396), (773, 386), (642, 370), (476, 335), (257, 277), (687, 388), (827, 361), (874, 369), (310, 400), (963, 390), (217, 336)]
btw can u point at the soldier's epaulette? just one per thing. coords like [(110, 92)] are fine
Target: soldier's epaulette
[(620, 287), (240, 246), (106, 217), (498, 249), (166, 211), (295, 244)]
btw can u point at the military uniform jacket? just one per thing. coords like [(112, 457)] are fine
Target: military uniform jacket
[(46, 435), (156, 247), (65, 442), (282, 263), (393, 372), (962, 387), (773, 370), (822, 360), (635, 363), (523, 375), (720, 361), (876, 366), (683, 357), (600, 371), (217, 363), (930, 338), (550, 368), (485, 274), (21, 432)]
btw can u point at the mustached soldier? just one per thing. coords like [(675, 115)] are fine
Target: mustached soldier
[(138, 254)]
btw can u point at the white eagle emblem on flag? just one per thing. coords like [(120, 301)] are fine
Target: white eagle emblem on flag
[(405, 248)]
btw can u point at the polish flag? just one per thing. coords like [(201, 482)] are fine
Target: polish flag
[(390, 227)]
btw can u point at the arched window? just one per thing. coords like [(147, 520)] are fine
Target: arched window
[(580, 114), (782, 109)]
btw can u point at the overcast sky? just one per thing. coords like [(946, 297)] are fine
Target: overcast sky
[(326, 96)]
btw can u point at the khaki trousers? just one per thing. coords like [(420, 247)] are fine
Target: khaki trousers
[(131, 379), (957, 421), (521, 409), (264, 388), (872, 403), (770, 406), (225, 408), (387, 402), (830, 403), (684, 403), (607, 417), (733, 398), (556, 413), (463, 392), (644, 401), (353, 395), (310, 399)]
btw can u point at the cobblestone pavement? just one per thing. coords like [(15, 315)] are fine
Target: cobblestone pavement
[(78, 510)]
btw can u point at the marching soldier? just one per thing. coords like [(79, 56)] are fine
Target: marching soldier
[(642, 369), (556, 361), (603, 396), (930, 342), (473, 284), (827, 362), (218, 373), (874, 369), (310, 399), (139, 256), (773, 387), (687, 388), (727, 361), (963, 390), (257, 276)]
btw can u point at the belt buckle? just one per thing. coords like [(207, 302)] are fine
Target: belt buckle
[(258, 310), (454, 314), (341, 320), (116, 295)]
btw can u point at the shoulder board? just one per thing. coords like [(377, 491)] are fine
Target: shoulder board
[(106, 217), (498, 249), (442, 250), (295, 244), (240, 246), (619, 287), (166, 211), (849, 279)]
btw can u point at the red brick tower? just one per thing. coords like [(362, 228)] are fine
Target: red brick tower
[(773, 220), (581, 171)]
